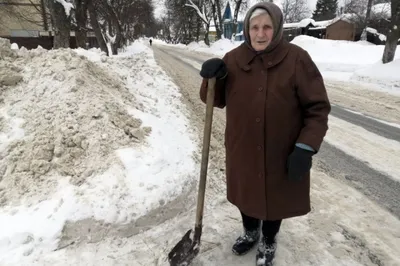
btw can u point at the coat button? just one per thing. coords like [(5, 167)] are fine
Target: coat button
[(260, 89), (259, 147), (269, 63), (260, 175), (258, 120)]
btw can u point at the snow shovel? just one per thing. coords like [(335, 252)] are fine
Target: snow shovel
[(188, 247)]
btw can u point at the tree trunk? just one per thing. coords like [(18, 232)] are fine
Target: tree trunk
[(198, 29), (206, 39), (190, 29), (81, 20), (215, 18), (367, 17), (44, 15), (96, 27), (393, 34), (391, 44), (220, 24), (118, 31), (235, 16), (61, 24)]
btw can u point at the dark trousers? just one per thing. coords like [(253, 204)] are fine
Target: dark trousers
[(269, 228)]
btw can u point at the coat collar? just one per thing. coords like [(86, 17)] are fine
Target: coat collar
[(246, 55)]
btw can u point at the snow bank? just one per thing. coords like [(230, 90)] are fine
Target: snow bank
[(63, 100), (219, 47), (345, 56), (337, 60), (379, 73), (85, 140)]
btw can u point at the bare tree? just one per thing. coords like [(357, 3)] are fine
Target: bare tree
[(216, 14), (94, 22), (36, 15), (61, 22), (121, 21), (204, 11), (361, 12), (394, 33), (295, 10), (220, 26), (238, 5), (81, 18), (184, 24)]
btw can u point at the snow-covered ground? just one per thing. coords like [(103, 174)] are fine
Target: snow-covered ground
[(83, 136), (357, 62)]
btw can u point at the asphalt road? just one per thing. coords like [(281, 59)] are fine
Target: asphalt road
[(377, 186)]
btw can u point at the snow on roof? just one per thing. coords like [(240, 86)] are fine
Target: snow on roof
[(371, 30), (323, 23), (348, 17), (319, 24), (305, 22), (381, 36)]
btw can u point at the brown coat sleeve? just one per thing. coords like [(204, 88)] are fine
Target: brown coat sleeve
[(219, 100), (314, 101)]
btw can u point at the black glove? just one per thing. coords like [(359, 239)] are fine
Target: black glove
[(299, 163), (214, 67)]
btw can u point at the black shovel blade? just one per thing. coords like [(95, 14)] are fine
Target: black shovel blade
[(184, 251)]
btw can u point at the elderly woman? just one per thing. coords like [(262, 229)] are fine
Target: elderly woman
[(276, 118)]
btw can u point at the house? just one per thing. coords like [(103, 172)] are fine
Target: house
[(27, 23), (306, 26), (341, 29), (22, 18), (227, 21)]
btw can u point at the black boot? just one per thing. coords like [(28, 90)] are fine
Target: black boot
[(265, 252), (246, 242)]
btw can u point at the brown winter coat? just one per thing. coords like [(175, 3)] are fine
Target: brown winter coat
[(272, 101)]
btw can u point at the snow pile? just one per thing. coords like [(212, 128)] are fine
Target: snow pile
[(14, 46), (9, 73), (85, 141), (64, 99), (218, 47), (196, 46)]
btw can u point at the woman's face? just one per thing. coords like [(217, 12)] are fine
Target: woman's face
[(261, 32)]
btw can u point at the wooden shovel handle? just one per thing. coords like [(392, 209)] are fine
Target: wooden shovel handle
[(204, 157)]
